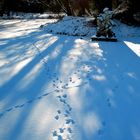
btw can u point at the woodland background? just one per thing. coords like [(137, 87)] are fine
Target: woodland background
[(127, 11)]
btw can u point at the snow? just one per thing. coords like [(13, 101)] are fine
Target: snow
[(72, 26), (135, 47), (82, 26), (21, 15), (59, 87)]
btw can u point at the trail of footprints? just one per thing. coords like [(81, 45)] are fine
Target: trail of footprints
[(66, 130), (19, 106), (114, 90), (58, 85)]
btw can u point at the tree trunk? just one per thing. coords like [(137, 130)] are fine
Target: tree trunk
[(68, 7), (114, 4)]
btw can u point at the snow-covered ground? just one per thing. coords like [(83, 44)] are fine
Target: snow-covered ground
[(83, 26), (56, 87), (21, 15)]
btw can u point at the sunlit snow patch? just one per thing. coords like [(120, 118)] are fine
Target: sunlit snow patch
[(134, 47)]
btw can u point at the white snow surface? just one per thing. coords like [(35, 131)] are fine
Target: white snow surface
[(82, 26), (21, 15), (62, 87), (72, 26)]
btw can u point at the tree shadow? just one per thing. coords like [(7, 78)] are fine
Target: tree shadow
[(14, 97), (100, 79), (112, 94)]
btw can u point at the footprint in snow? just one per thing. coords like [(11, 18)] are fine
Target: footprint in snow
[(8, 110), (104, 123), (69, 130), (115, 88), (56, 117), (100, 132), (16, 106), (21, 105), (61, 130), (54, 133), (58, 111), (60, 137), (40, 97), (30, 101), (108, 102), (64, 96), (70, 121), (45, 94), (70, 79), (1, 114)]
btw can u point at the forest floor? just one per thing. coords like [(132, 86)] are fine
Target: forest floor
[(66, 87)]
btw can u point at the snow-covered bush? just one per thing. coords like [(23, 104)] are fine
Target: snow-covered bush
[(105, 23)]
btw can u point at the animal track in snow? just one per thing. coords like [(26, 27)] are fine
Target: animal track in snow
[(101, 130), (115, 88), (19, 106), (65, 131), (109, 102)]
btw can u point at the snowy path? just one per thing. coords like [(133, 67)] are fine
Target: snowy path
[(60, 87)]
